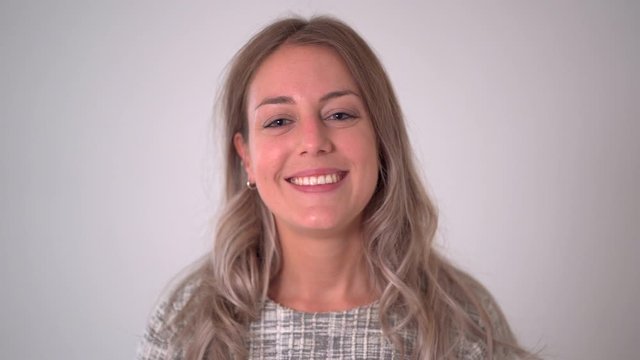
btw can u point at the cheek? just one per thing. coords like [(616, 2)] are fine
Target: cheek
[(364, 150), (369, 157), (268, 158)]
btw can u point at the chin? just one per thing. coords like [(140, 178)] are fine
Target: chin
[(324, 224), (320, 225)]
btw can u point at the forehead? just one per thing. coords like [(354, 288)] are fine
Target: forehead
[(301, 71)]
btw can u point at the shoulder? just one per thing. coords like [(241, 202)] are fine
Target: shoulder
[(161, 330), (499, 324), (482, 307), (485, 312)]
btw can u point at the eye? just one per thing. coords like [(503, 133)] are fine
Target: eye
[(277, 123), (340, 116)]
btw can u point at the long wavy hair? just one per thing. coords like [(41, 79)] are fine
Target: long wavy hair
[(420, 290)]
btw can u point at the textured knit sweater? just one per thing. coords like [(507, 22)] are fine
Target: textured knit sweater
[(283, 333)]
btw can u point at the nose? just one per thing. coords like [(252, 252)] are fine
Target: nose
[(315, 137)]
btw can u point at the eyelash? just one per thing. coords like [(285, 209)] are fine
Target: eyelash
[(280, 122), (272, 124), (342, 113)]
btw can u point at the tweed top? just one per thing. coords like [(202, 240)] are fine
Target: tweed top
[(283, 333)]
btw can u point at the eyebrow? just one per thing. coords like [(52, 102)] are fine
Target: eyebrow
[(289, 100)]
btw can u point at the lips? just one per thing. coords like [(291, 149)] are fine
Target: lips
[(317, 179)]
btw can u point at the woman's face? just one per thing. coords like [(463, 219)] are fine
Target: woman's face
[(311, 148)]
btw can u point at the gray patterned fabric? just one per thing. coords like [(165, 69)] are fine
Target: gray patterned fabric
[(283, 333)]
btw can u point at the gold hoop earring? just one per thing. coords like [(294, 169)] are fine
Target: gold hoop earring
[(251, 186)]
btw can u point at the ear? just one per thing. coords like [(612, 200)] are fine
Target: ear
[(242, 149)]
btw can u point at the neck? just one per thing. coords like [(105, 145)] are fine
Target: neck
[(323, 273)]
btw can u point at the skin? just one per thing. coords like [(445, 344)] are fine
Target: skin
[(307, 118)]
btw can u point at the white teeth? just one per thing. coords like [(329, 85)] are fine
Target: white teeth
[(316, 180)]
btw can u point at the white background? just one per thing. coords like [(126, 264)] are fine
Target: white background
[(524, 116)]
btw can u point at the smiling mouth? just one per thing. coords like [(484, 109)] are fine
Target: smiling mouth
[(324, 179)]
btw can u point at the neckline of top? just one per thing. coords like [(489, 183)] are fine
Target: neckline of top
[(355, 309)]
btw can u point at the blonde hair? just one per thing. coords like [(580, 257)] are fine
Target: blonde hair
[(419, 289)]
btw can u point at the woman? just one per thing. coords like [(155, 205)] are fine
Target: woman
[(324, 249)]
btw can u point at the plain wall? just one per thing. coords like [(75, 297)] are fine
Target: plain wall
[(524, 116)]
